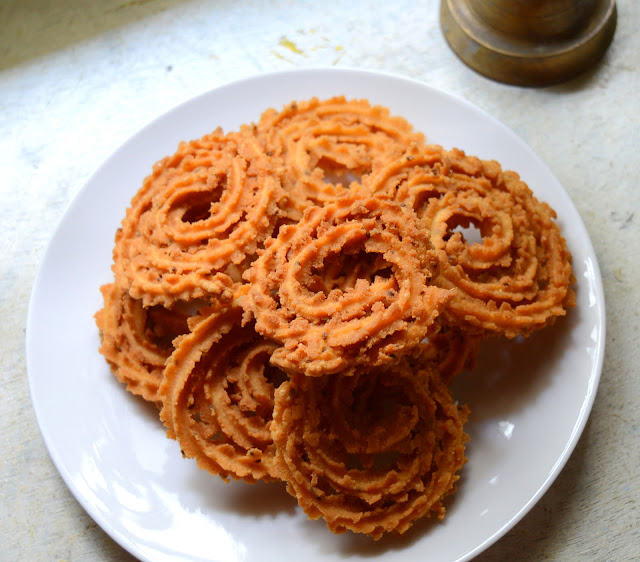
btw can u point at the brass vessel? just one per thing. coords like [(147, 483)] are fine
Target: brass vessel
[(529, 42)]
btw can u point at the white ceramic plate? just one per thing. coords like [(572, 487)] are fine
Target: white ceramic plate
[(530, 401)]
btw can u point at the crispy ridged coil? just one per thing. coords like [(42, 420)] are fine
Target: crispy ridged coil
[(349, 285), (517, 278), (198, 220), (136, 341), (325, 145), (218, 392), (370, 453)]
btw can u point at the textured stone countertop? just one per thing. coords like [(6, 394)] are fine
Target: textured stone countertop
[(79, 78)]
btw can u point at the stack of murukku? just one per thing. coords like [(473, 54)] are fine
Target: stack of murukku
[(296, 297)]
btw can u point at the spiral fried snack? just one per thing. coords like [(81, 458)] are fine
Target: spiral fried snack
[(217, 392), (326, 145), (136, 341), (514, 280), (349, 285), (372, 452), (198, 220)]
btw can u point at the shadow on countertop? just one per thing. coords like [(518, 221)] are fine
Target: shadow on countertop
[(34, 28)]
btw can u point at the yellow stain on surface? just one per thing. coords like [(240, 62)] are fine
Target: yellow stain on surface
[(617, 273), (288, 44), (281, 57)]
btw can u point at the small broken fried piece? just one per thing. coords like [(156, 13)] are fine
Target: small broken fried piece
[(450, 351)]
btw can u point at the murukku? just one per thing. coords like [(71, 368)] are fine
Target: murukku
[(297, 297), (136, 341), (370, 453), (198, 219), (326, 145), (218, 391), (348, 285), (516, 275)]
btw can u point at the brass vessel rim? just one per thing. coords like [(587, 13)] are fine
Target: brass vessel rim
[(563, 46)]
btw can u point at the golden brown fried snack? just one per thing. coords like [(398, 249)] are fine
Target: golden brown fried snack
[(325, 145), (348, 286), (198, 220), (136, 341), (370, 453), (218, 392), (513, 280), (345, 290)]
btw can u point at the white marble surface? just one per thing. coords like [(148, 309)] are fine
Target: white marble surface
[(78, 78)]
